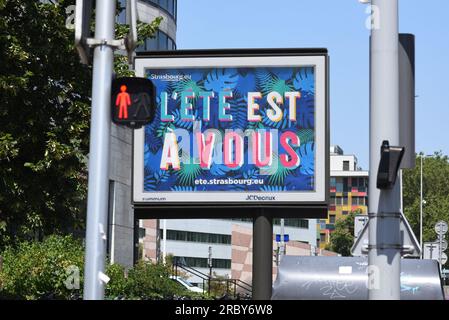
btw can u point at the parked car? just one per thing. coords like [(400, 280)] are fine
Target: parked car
[(186, 284)]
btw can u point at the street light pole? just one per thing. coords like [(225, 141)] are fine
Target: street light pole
[(384, 257), (100, 127), (421, 214)]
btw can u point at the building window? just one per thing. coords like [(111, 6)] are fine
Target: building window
[(221, 263), (363, 183), (296, 223), (358, 201), (345, 213), (345, 200), (339, 201), (333, 182), (195, 262), (339, 185), (167, 5), (322, 237), (151, 44), (332, 218), (332, 201), (160, 42), (201, 237), (345, 185), (345, 165)]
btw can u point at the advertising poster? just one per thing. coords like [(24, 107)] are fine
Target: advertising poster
[(233, 130)]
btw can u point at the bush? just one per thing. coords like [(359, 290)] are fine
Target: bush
[(53, 269), (152, 281), (39, 270), (116, 286)]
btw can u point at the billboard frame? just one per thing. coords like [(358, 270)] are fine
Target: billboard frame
[(303, 209)]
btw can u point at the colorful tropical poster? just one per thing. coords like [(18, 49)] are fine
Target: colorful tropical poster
[(236, 129)]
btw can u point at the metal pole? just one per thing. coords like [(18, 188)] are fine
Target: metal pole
[(440, 252), (421, 214), (282, 239), (209, 261), (164, 242), (262, 256), (384, 205), (97, 198)]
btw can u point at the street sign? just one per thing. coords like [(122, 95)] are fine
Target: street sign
[(443, 259), (359, 223), (132, 101), (242, 128), (431, 250), (444, 245), (286, 238), (441, 227)]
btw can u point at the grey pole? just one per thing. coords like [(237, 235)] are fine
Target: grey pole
[(421, 214), (97, 198), (384, 205), (262, 256), (282, 237)]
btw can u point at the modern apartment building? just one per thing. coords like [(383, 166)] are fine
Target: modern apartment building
[(191, 241), (348, 191)]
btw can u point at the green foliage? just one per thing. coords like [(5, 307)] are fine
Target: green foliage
[(33, 270), (435, 193), (44, 119), (117, 284), (144, 31), (218, 286), (342, 238), (53, 269), (147, 280)]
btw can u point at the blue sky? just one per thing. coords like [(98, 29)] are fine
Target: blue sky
[(340, 27)]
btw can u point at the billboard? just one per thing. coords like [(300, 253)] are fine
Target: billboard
[(245, 128)]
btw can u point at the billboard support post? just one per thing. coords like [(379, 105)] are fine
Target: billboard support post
[(97, 198), (262, 256), (384, 257)]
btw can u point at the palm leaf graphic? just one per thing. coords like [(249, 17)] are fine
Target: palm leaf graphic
[(304, 80), (188, 173), (221, 79)]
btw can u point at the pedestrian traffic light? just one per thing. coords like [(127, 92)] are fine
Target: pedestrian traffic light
[(132, 101)]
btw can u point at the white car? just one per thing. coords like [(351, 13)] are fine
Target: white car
[(186, 284)]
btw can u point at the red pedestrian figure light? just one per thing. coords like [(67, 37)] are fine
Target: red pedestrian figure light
[(123, 101)]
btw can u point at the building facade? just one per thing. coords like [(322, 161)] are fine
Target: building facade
[(191, 241), (348, 192)]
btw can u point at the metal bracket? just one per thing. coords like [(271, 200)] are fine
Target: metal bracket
[(385, 215), (404, 249), (115, 44), (385, 246)]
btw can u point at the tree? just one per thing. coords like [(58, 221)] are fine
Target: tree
[(44, 119), (342, 238), (435, 193)]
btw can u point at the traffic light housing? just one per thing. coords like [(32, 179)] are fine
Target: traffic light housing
[(133, 101), (390, 161)]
